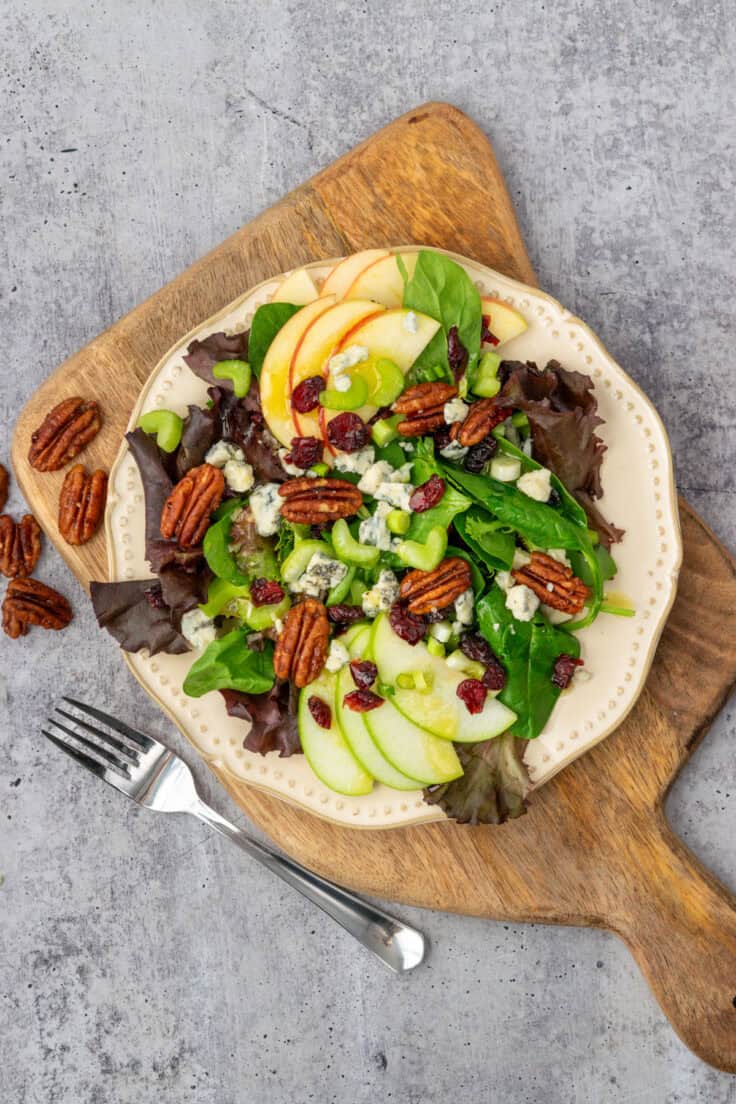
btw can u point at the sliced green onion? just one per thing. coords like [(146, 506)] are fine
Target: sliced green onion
[(435, 647), (618, 611), (485, 381), (385, 430), (320, 468), (398, 521)]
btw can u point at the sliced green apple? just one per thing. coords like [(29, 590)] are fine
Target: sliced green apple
[(274, 382), (325, 748), (382, 280), (505, 322), (319, 342), (411, 748), (298, 288), (353, 725), (345, 272)]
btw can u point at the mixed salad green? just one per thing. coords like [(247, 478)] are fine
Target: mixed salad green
[(414, 693)]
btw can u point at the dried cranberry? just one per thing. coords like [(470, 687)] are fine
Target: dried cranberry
[(472, 693), (442, 437), (305, 451), (427, 494), (155, 597), (564, 669), (406, 625), (478, 456), (364, 673), (320, 710), (265, 592), (476, 647), (457, 354), (305, 396), (495, 676), (347, 432), (344, 615), (362, 701), (485, 331)]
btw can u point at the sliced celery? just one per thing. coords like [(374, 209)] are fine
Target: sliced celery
[(166, 425), (237, 371), (426, 556), (351, 551)]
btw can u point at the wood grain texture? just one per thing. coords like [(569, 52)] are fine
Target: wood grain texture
[(595, 848)]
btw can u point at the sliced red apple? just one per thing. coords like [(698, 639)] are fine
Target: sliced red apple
[(344, 273), (274, 382), (298, 288), (505, 322), (390, 334), (381, 281), (319, 342)]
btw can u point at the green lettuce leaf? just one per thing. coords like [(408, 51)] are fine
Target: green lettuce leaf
[(267, 321), (483, 534), (220, 559), (528, 650), (493, 787), (570, 505), (229, 664), (443, 290)]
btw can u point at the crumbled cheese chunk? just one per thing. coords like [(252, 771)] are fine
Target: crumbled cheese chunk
[(521, 558), (397, 494), (238, 476), (374, 530), (453, 451), (464, 604), (341, 383), (455, 411), (322, 573), (504, 579), (536, 484), (522, 602), (407, 446), (221, 452), (441, 630), (198, 629), (382, 594), (560, 555), (409, 322), (353, 355), (337, 656), (355, 461), (289, 468), (265, 504), (377, 473)]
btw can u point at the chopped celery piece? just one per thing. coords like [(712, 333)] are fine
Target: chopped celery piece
[(358, 588), (237, 371), (320, 468), (391, 382), (219, 593), (258, 617), (296, 562), (398, 521), (384, 430), (426, 556), (166, 425), (351, 551), (520, 420), (485, 380), (341, 590), (435, 647), (355, 396)]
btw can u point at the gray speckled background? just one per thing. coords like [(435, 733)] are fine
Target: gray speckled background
[(142, 959)]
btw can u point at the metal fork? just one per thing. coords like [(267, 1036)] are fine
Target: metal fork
[(154, 776)]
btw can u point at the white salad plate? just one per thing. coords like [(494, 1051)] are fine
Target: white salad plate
[(639, 496)]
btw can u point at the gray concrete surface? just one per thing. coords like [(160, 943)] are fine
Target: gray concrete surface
[(143, 960)]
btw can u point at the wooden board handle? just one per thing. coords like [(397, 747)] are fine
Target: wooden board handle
[(680, 925)]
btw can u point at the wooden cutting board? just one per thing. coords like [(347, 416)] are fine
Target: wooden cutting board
[(595, 847)]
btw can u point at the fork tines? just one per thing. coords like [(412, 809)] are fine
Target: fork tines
[(106, 751)]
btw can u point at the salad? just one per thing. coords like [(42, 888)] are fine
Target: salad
[(379, 539)]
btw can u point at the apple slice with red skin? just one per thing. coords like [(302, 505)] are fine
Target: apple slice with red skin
[(505, 323), (345, 272)]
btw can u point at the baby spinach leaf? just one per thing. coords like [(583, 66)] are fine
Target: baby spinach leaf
[(570, 505), (606, 564), (452, 504), (479, 579), (528, 650), (442, 289), (267, 321), (216, 545), (229, 664), (492, 545)]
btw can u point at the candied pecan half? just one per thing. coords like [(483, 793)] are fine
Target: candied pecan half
[(423, 407), (63, 433), (483, 416), (553, 583), (301, 649), (309, 501), (3, 487), (187, 510), (81, 504), (20, 545), (424, 591), (30, 602)]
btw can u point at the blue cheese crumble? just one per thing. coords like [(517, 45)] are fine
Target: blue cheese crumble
[(409, 322), (536, 484), (358, 462), (321, 575), (265, 504), (374, 530), (382, 594), (354, 354), (522, 602), (337, 656), (198, 629)]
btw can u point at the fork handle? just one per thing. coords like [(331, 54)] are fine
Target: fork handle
[(399, 946)]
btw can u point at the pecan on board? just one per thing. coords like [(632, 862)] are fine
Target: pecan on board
[(553, 583), (20, 545), (187, 510), (81, 504), (30, 602), (483, 416), (63, 433), (423, 407), (311, 501), (301, 649), (425, 591)]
